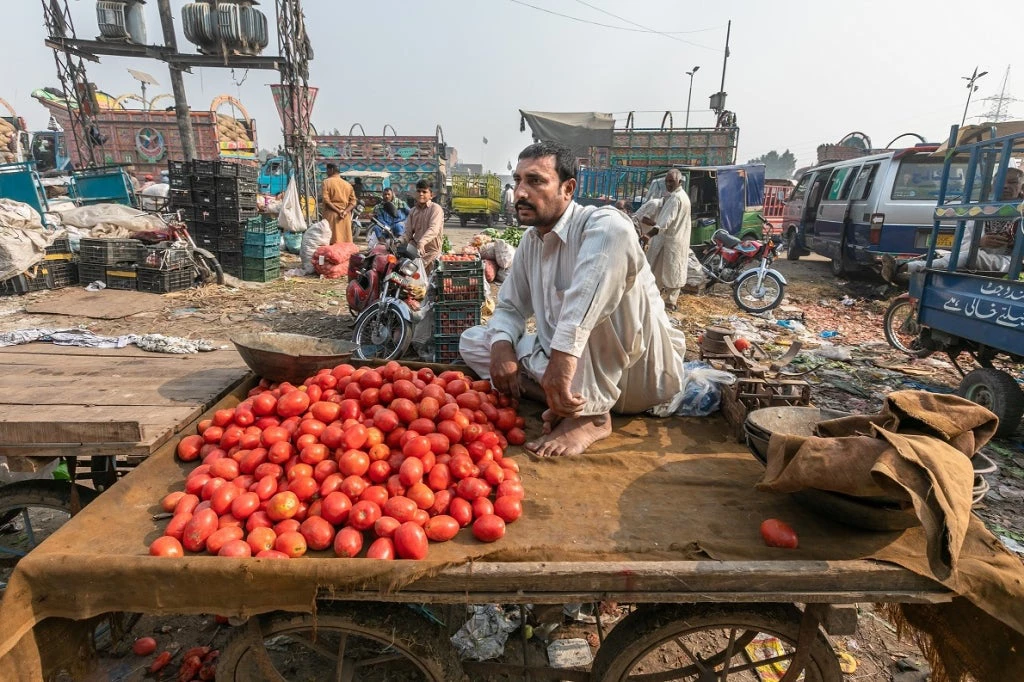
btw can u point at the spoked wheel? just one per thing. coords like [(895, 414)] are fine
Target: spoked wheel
[(208, 269), (381, 332), (757, 298), (352, 642), (710, 642), (901, 328), (31, 511), (997, 391), (792, 246)]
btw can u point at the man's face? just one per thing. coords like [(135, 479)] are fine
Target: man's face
[(671, 183), (540, 197), (1012, 188), (423, 196), (389, 195)]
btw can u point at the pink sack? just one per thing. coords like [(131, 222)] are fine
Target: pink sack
[(332, 261), (490, 269)]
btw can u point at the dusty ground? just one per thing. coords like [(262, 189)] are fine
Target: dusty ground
[(816, 302)]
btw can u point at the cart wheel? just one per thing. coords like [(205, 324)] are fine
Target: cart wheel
[(30, 511), (696, 642), (997, 391), (342, 641)]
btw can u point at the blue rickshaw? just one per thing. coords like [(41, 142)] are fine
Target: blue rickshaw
[(965, 309)]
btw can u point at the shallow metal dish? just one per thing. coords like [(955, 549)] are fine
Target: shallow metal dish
[(290, 357)]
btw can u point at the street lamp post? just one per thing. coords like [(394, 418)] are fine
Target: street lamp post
[(971, 88), (689, 94)]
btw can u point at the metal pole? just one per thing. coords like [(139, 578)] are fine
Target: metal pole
[(970, 89), (688, 94), (188, 141), (725, 59)]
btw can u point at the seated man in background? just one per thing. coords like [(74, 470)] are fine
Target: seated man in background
[(395, 222), (604, 342)]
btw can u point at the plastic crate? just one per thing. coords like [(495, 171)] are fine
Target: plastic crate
[(163, 257), (205, 214), (179, 168), (36, 278), (121, 277), (262, 224), (262, 238), (261, 270), (451, 287), (234, 244), (91, 272), (179, 198), (159, 281), (236, 200), (202, 167), (446, 350), (204, 198), (209, 243), (230, 260), (261, 251), (460, 266), (59, 246), (108, 251), (232, 229), (180, 182), (63, 274), (205, 182), (451, 319), (235, 185)]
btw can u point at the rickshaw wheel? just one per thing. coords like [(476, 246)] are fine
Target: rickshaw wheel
[(997, 391), (695, 641), (30, 511), (342, 641)]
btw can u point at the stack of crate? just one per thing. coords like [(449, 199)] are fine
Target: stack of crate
[(57, 270), (459, 293), (162, 269), (111, 261), (261, 250), (219, 199)]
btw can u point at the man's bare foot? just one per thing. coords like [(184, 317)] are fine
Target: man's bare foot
[(550, 421), (572, 436)]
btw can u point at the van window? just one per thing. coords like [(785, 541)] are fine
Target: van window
[(865, 180), (801, 187), (844, 194), (919, 178), (836, 182)]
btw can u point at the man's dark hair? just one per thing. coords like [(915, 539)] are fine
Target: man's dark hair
[(332, 168), (565, 160), (425, 184)]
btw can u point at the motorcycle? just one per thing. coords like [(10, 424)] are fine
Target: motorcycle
[(746, 267), (901, 328)]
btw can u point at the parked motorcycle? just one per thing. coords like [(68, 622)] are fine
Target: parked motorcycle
[(746, 267), (901, 328)]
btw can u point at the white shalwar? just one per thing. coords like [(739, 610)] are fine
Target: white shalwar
[(668, 250), (992, 259), (594, 297)]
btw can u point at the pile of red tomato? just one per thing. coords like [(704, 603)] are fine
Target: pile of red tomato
[(389, 456)]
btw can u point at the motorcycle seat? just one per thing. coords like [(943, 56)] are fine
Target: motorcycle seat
[(746, 247), (727, 240)]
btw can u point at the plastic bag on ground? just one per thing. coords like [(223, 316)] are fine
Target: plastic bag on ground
[(331, 261), (701, 394), (504, 253), (318, 234), (694, 272), (290, 217)]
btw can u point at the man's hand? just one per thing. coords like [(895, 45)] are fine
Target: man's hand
[(557, 382), (994, 241), (505, 368)]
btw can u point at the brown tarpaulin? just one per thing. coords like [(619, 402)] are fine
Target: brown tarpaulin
[(658, 490)]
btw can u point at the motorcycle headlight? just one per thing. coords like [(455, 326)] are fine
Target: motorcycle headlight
[(407, 268)]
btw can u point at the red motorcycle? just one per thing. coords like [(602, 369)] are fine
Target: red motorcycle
[(745, 266), (368, 270)]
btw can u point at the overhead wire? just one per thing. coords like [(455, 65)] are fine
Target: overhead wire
[(646, 28)]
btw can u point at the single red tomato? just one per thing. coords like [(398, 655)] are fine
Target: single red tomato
[(776, 533), (381, 548), (144, 646), (488, 528), (410, 542), (166, 546)]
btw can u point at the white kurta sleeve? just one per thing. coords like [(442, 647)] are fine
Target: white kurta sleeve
[(598, 281), (668, 217), (515, 305)]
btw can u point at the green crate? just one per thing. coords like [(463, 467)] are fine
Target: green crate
[(261, 251), (460, 267), (446, 350), (700, 235), (451, 319), (261, 223), (460, 287), (261, 269), (262, 238)]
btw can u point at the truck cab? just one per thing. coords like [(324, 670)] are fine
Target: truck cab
[(274, 175), (50, 151)]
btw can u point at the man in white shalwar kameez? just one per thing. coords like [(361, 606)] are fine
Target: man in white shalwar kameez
[(603, 341), (670, 239)]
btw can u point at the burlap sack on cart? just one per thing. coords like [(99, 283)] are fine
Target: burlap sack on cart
[(657, 490)]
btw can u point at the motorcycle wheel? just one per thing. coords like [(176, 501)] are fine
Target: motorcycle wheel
[(381, 332), (208, 269), (754, 299), (901, 328)]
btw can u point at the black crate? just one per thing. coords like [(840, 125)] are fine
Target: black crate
[(179, 168), (179, 198), (205, 214), (202, 167), (108, 251), (231, 244), (91, 272), (451, 319), (63, 274), (234, 185), (36, 278), (159, 281), (122, 277), (238, 200), (59, 246), (211, 244), (230, 260), (232, 229), (163, 257), (446, 350), (179, 182), (235, 215), (204, 198), (207, 182)]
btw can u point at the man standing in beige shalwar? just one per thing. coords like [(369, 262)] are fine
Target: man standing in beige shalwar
[(603, 341), (670, 239)]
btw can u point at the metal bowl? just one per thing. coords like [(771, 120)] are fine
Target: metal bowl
[(796, 421), (290, 357)]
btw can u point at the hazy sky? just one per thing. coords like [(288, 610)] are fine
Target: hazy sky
[(800, 73)]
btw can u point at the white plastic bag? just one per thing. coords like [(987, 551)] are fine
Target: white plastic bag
[(694, 272), (290, 218), (504, 253), (701, 394), (318, 234)]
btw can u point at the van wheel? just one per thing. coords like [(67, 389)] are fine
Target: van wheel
[(792, 246), (842, 265)]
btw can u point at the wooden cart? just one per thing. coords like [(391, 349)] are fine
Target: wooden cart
[(354, 613)]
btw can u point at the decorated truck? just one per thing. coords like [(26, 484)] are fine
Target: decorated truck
[(406, 159), (476, 198), (149, 138)]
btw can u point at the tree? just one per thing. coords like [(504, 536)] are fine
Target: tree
[(777, 165)]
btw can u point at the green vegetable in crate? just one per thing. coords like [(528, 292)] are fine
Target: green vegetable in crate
[(446, 246), (492, 233), (512, 235)]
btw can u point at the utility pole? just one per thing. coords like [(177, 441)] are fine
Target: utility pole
[(971, 89), (688, 94), (188, 140), (1000, 110)]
